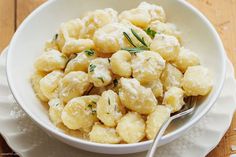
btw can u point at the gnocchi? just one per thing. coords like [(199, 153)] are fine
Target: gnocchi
[(55, 109), (99, 72), (35, 79), (121, 63), (167, 46), (155, 120), (147, 66), (115, 78), (81, 61), (195, 84), (73, 84), (103, 134), (136, 97), (185, 59), (174, 99), (80, 113), (131, 127), (97, 19), (49, 84), (171, 76), (165, 28), (139, 17), (109, 108), (51, 60)]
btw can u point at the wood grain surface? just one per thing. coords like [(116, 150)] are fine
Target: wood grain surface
[(222, 13)]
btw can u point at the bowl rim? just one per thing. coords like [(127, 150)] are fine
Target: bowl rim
[(172, 135)]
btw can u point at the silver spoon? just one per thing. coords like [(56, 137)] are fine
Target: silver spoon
[(189, 108)]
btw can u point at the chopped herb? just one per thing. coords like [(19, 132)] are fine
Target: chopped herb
[(90, 106), (92, 67), (94, 102), (94, 112), (101, 78), (148, 59), (55, 37), (89, 52), (128, 38), (109, 101), (109, 60), (108, 113), (151, 32), (139, 38), (57, 104), (115, 82)]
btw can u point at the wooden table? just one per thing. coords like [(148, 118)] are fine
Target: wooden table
[(222, 13)]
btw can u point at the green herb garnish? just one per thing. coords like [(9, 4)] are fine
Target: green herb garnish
[(151, 32), (141, 40), (92, 67), (94, 112), (94, 102), (109, 101), (109, 60), (115, 82), (55, 37), (89, 52), (135, 49), (101, 78), (128, 38), (90, 106)]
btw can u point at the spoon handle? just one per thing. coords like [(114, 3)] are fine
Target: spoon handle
[(152, 150)]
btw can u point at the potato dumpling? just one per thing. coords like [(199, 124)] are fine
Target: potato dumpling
[(136, 97), (72, 28), (171, 76), (99, 72), (74, 46), (35, 79), (97, 19), (104, 134), (110, 38), (131, 127), (156, 12), (49, 84), (81, 61), (185, 59), (73, 84), (147, 66), (138, 17), (197, 81), (174, 99), (55, 110), (167, 46), (156, 86), (165, 28), (51, 60), (109, 108), (155, 120), (147, 63), (121, 63), (80, 113)]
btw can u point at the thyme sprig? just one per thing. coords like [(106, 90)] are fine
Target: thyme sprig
[(135, 49)]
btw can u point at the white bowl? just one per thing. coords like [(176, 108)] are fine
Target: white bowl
[(27, 43)]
